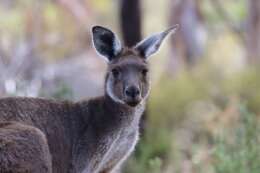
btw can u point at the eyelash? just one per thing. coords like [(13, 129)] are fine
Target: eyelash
[(115, 72)]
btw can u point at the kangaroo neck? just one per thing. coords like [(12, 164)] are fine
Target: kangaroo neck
[(123, 111)]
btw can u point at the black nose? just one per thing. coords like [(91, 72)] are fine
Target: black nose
[(132, 92)]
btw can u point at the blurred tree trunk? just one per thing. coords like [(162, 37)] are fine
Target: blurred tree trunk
[(253, 32), (188, 44), (130, 20), (248, 32), (131, 27)]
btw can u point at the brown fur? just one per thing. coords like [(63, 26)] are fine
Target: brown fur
[(19, 144)]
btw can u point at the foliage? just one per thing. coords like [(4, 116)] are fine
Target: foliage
[(238, 150)]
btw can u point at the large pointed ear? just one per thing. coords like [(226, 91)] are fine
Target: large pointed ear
[(151, 45), (105, 42)]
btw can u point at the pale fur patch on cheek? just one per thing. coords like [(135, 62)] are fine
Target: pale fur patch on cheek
[(110, 92), (147, 93)]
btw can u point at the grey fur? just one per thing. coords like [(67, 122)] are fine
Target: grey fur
[(93, 136)]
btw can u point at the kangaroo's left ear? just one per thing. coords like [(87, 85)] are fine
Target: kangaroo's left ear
[(106, 42), (151, 45)]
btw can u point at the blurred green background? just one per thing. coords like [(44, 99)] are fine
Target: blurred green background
[(204, 109)]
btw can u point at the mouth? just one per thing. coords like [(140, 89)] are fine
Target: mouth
[(133, 102)]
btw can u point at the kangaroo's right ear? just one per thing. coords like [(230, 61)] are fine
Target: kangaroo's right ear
[(151, 45), (105, 42)]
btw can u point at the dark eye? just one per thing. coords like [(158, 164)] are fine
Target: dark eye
[(115, 72), (144, 72)]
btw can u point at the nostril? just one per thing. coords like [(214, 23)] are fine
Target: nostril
[(128, 92), (137, 92)]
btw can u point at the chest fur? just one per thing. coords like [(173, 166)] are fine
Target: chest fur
[(121, 143), (121, 147), (114, 141)]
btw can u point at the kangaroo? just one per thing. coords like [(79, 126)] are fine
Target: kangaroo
[(91, 136)]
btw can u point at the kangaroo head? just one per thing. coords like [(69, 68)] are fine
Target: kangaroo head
[(127, 78)]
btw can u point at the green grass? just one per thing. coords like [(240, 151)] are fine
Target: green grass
[(239, 150)]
